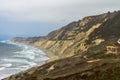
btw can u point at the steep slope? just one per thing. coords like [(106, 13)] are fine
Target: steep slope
[(73, 68), (80, 36), (80, 50)]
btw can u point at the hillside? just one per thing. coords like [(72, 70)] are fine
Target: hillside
[(73, 68), (87, 49), (80, 36)]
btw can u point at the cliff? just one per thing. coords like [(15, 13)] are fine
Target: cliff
[(87, 49), (80, 36)]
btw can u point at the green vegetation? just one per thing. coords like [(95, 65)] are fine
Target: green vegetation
[(110, 74)]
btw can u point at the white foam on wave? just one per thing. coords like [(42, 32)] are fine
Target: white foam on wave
[(3, 76), (6, 65), (15, 60), (10, 71), (31, 53), (26, 53), (28, 57), (32, 64), (2, 68), (24, 67)]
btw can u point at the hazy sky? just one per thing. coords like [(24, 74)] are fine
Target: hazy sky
[(39, 17)]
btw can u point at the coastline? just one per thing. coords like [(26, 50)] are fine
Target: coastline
[(19, 44), (48, 53)]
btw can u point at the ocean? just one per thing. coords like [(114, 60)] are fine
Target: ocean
[(15, 58)]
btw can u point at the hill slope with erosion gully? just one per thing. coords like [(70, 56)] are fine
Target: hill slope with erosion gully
[(88, 49)]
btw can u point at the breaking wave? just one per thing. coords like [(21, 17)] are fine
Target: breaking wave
[(21, 60)]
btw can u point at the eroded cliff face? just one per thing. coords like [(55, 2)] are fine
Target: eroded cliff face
[(78, 50), (77, 37)]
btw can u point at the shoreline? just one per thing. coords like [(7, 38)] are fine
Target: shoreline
[(48, 53), (18, 43)]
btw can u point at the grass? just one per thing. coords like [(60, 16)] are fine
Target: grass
[(110, 74)]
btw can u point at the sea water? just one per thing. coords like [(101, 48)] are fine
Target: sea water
[(15, 58)]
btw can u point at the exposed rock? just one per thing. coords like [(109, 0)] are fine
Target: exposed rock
[(118, 41), (98, 41), (78, 51), (78, 37)]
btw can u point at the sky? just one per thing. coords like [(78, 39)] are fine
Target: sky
[(27, 18)]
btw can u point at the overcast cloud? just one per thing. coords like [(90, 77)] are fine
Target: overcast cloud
[(56, 12)]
